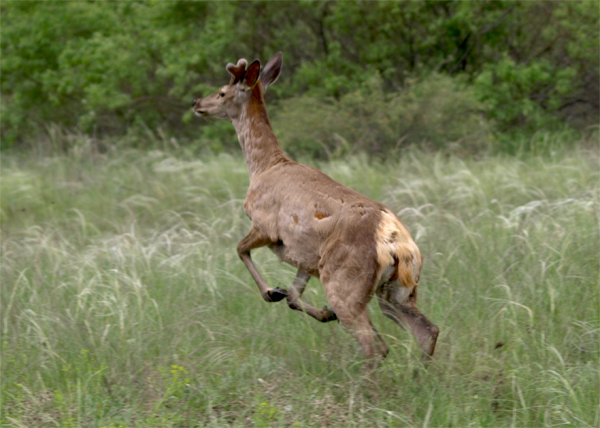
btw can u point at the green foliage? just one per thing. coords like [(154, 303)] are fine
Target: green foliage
[(524, 94), (115, 68), (124, 302), (434, 113)]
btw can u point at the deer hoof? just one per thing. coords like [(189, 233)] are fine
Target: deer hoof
[(328, 315), (275, 295)]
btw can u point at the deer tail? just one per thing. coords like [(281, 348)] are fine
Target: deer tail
[(395, 247), (408, 262)]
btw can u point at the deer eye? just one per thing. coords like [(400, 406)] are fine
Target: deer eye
[(222, 94)]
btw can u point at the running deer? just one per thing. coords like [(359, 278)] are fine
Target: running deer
[(357, 247)]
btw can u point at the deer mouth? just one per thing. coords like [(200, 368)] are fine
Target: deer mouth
[(200, 113)]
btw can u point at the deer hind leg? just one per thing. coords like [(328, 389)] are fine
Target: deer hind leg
[(373, 346), (349, 301), (400, 304), (256, 240), (294, 302)]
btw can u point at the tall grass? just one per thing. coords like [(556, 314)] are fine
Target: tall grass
[(123, 301)]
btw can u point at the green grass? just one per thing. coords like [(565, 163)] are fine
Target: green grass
[(123, 302)]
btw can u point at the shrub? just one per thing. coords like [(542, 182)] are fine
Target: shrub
[(524, 96), (113, 68), (436, 112)]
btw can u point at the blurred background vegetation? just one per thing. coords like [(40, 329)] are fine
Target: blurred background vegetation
[(122, 299), (358, 76)]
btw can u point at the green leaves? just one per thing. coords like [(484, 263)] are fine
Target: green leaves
[(520, 95), (435, 112), (111, 68)]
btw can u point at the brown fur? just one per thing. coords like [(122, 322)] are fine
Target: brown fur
[(356, 246)]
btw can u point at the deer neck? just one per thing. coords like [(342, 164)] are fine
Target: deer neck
[(256, 136)]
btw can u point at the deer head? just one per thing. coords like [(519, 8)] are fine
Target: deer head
[(246, 82)]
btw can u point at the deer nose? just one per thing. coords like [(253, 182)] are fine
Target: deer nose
[(194, 102)]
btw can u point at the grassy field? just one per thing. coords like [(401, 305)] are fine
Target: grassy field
[(124, 304)]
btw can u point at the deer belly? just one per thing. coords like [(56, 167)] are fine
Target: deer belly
[(304, 260)]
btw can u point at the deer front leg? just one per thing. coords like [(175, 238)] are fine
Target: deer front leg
[(295, 303), (250, 242)]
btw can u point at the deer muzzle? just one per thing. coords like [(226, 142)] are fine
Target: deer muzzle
[(197, 106)]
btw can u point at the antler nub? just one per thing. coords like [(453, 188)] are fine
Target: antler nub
[(237, 71)]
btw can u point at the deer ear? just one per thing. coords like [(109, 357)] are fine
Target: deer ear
[(252, 74), (237, 71), (272, 70)]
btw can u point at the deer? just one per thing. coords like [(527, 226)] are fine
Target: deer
[(355, 246)]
